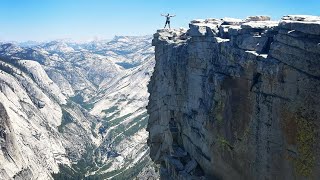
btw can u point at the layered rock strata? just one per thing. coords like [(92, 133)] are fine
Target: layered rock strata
[(237, 99)]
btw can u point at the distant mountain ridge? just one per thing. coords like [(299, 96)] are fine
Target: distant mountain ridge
[(96, 94)]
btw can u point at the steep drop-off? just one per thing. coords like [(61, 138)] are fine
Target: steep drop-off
[(237, 99)]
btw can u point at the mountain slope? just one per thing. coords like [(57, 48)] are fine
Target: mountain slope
[(32, 109), (99, 92), (121, 105)]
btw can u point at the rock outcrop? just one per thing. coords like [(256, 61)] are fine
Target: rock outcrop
[(237, 99)]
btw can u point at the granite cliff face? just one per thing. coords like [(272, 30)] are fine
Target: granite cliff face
[(237, 99), (75, 111), (34, 113)]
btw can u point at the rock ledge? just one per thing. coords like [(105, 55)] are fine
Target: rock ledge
[(237, 99)]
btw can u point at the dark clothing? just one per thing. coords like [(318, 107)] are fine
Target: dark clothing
[(167, 22), (168, 16)]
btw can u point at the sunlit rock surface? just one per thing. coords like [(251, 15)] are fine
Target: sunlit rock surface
[(75, 110), (237, 99)]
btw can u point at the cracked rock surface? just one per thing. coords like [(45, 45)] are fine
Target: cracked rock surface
[(237, 99)]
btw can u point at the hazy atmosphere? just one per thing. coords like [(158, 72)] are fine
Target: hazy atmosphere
[(81, 20)]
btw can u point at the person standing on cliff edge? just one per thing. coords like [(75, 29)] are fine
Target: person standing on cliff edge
[(168, 16)]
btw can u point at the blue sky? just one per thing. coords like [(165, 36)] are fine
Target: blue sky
[(42, 20)]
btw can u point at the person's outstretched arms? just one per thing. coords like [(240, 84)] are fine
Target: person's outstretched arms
[(172, 15)]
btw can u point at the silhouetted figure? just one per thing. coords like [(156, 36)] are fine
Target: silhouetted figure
[(168, 16)]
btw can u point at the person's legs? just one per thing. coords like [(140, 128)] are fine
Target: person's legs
[(167, 23)]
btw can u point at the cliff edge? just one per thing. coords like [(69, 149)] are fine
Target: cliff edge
[(237, 99)]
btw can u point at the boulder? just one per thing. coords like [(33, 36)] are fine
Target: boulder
[(202, 29), (41, 104), (259, 24), (305, 18), (257, 18), (232, 21)]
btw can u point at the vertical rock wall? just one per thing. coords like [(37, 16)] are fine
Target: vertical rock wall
[(237, 99)]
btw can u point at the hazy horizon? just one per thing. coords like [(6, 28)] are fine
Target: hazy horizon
[(85, 20), (70, 39)]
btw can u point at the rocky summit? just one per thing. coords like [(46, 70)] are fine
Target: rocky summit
[(237, 99)]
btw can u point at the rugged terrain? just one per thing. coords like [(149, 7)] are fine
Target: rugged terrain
[(237, 99), (75, 110)]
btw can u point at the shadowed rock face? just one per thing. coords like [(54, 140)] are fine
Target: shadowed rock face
[(237, 99)]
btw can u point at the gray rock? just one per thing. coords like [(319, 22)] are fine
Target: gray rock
[(202, 29), (305, 18), (241, 98), (252, 43), (45, 121), (196, 21), (175, 164), (232, 21), (257, 18), (260, 24), (302, 23), (191, 165), (41, 104)]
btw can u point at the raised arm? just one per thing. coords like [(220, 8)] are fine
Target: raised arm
[(172, 15)]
